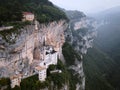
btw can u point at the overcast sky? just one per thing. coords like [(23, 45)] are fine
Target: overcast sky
[(87, 6)]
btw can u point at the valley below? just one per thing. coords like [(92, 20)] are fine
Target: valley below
[(101, 63)]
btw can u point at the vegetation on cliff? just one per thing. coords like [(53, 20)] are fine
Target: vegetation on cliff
[(74, 14), (44, 10), (70, 54), (8, 35), (5, 82)]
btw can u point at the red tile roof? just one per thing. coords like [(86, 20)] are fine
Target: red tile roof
[(27, 13), (15, 76)]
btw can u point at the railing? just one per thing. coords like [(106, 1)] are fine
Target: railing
[(6, 28)]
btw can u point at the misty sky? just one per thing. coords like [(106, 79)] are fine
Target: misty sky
[(87, 6)]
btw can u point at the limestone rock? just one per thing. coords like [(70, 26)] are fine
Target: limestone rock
[(21, 56)]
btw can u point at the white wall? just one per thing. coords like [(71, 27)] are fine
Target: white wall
[(42, 75)]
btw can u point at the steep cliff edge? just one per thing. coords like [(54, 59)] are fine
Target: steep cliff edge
[(79, 37), (27, 50)]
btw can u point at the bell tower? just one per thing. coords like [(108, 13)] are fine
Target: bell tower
[(36, 40)]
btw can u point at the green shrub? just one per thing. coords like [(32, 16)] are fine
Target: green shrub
[(70, 54)]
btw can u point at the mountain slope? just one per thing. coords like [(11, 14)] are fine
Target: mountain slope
[(108, 42), (111, 14), (97, 65)]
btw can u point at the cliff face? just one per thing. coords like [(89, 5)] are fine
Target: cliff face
[(80, 34), (28, 49)]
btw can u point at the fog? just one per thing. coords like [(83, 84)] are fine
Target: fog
[(87, 6)]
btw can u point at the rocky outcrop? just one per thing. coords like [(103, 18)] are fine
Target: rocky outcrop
[(28, 48), (80, 34)]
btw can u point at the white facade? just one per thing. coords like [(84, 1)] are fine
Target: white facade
[(41, 72), (15, 80), (50, 57)]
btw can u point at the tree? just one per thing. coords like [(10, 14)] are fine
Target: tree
[(16, 88)]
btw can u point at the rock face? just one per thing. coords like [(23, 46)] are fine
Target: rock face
[(27, 50), (80, 34)]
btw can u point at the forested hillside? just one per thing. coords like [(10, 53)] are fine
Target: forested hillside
[(44, 10), (108, 41), (97, 67), (102, 63)]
